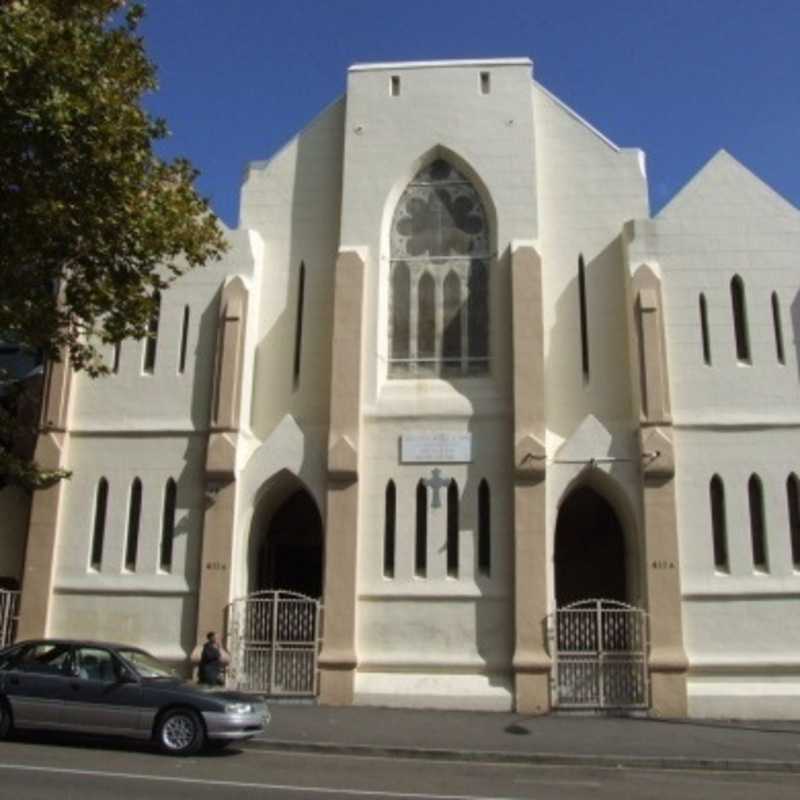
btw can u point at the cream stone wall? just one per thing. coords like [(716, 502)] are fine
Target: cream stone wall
[(291, 204), (166, 400), (587, 188), (554, 189), (733, 420), (154, 427), (416, 633), (440, 112)]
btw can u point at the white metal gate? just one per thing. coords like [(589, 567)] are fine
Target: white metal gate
[(9, 602), (600, 656), (274, 640)]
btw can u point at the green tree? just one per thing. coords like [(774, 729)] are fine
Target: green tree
[(92, 222)]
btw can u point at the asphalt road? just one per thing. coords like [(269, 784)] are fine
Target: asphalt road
[(69, 769)]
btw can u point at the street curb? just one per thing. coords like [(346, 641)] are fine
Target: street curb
[(540, 759)]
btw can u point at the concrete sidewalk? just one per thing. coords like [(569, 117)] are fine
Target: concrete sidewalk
[(514, 738)]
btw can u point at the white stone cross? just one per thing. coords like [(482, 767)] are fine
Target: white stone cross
[(435, 483)]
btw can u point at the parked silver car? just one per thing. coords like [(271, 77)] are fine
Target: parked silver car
[(102, 688)]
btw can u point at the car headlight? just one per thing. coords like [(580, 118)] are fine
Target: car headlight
[(238, 708)]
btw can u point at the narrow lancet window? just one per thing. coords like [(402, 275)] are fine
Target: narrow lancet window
[(389, 524), (452, 530), (426, 323), (99, 532), (704, 330), (115, 360), (719, 527), (793, 499), (451, 339), (758, 532), (478, 317), (151, 340), (583, 319), (134, 518), (776, 321), (739, 307), (298, 325), (394, 86), (168, 526), (484, 529), (400, 325), (439, 285), (421, 539), (486, 84), (184, 341)]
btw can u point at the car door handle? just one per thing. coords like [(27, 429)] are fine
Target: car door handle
[(14, 681), (75, 686)]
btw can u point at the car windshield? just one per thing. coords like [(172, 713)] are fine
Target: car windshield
[(146, 665)]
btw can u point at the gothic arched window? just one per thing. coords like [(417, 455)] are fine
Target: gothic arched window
[(134, 519), (100, 506), (168, 525), (739, 306), (719, 526), (758, 528), (452, 529), (389, 530), (439, 273)]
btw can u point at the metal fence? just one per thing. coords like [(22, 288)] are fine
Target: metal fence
[(274, 641), (9, 605), (600, 654)]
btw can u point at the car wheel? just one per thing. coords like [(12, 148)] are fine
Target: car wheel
[(180, 732), (6, 723)]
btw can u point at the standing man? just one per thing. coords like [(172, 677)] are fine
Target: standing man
[(212, 660)]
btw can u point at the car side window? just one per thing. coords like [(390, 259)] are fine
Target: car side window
[(45, 658), (8, 657), (95, 664)]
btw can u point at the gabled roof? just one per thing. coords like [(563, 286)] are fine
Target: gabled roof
[(725, 187)]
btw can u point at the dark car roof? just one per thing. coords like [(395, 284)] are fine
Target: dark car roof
[(81, 643)]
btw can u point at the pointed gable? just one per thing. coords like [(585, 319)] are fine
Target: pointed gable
[(725, 190)]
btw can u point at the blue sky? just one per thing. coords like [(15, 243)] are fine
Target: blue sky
[(679, 79)]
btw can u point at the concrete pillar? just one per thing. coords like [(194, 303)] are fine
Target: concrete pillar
[(40, 552), (338, 658), (220, 490), (531, 663), (668, 663)]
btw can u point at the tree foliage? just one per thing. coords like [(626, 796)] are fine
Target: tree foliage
[(92, 222)]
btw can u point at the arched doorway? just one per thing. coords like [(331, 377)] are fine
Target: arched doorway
[(290, 555), (274, 631), (600, 654), (590, 557)]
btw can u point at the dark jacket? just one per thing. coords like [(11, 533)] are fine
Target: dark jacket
[(210, 669)]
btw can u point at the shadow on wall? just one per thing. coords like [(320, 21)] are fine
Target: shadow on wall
[(191, 500), (313, 233), (606, 393), (494, 635)]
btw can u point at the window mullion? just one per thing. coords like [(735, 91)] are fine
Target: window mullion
[(464, 312), (438, 296), (413, 342)]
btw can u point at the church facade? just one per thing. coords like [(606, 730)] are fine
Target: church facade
[(450, 377)]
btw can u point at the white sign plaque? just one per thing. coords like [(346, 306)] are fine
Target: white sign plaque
[(436, 448)]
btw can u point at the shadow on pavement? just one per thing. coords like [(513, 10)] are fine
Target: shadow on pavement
[(86, 742)]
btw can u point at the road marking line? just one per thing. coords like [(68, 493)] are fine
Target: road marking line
[(248, 785)]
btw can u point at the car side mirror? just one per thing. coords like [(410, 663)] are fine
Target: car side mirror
[(75, 671)]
